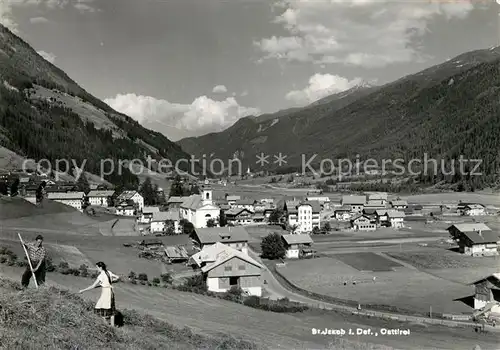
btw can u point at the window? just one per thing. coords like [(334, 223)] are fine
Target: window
[(228, 268)]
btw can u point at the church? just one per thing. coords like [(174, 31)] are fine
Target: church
[(199, 209)]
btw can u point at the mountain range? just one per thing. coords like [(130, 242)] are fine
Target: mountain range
[(44, 114), (445, 111)]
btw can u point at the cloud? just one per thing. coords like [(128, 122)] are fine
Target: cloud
[(219, 89), (321, 85), (47, 56), (38, 20), (368, 33), (7, 8), (202, 116)]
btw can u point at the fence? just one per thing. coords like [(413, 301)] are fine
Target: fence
[(334, 304)]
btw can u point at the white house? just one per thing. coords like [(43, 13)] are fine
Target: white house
[(198, 209), (133, 196), (297, 245), (301, 217), (396, 218), (125, 209), (474, 210), (356, 203), (399, 204), (147, 214), (73, 199), (247, 204), (475, 239), (363, 223), (100, 198), (160, 221), (233, 268), (343, 213), (378, 197)]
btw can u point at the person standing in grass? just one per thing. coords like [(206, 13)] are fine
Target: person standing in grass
[(105, 306), (37, 255)]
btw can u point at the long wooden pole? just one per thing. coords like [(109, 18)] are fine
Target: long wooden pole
[(29, 260)]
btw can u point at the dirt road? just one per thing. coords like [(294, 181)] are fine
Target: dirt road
[(277, 331)]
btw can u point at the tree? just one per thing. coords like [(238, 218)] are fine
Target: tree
[(83, 184), (169, 228), (187, 227), (222, 219), (272, 247), (211, 223), (14, 188), (327, 227), (176, 189), (148, 192), (275, 216)]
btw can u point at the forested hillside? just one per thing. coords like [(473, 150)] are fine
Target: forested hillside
[(70, 123), (444, 112)]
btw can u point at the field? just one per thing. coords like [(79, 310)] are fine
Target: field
[(405, 288), (368, 262), (445, 260), (211, 316)]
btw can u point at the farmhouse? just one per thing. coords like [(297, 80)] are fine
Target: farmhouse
[(100, 198), (199, 209), (395, 218), (73, 199), (362, 223), (382, 218), (399, 204), (487, 291), (233, 268), (379, 198), (162, 219), (126, 208), (343, 213), (234, 237), (474, 210), (297, 245), (244, 204), (239, 216), (355, 202), (232, 199), (206, 256), (175, 202), (147, 214), (133, 196), (475, 239)]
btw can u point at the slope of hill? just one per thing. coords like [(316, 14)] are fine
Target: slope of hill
[(50, 318), (45, 114), (445, 111)]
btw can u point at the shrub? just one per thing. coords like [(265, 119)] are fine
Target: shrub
[(49, 265), (233, 294), (3, 259), (84, 270), (63, 265), (156, 281), (142, 277), (167, 278), (132, 275)]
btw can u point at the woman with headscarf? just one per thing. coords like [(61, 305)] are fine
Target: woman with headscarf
[(105, 306)]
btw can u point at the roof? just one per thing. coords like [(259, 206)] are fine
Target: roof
[(344, 208), (297, 239), (470, 227), (474, 206), (316, 206), (399, 202), (222, 234), (193, 202), (318, 198), (65, 195), (353, 200), (227, 254), (126, 195), (245, 202), (150, 210), (174, 199), (381, 212), (360, 216), (395, 214), (236, 211), (166, 215), (101, 193), (233, 198), (377, 196), (369, 211), (374, 205), (478, 237), (208, 253), (494, 278), (176, 252), (151, 241)]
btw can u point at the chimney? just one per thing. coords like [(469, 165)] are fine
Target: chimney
[(479, 233)]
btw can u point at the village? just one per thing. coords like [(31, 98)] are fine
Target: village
[(220, 234)]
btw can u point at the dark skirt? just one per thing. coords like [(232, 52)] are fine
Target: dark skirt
[(107, 312)]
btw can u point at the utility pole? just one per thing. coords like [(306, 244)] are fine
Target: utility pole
[(430, 311)]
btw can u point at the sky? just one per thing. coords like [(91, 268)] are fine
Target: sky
[(191, 67)]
